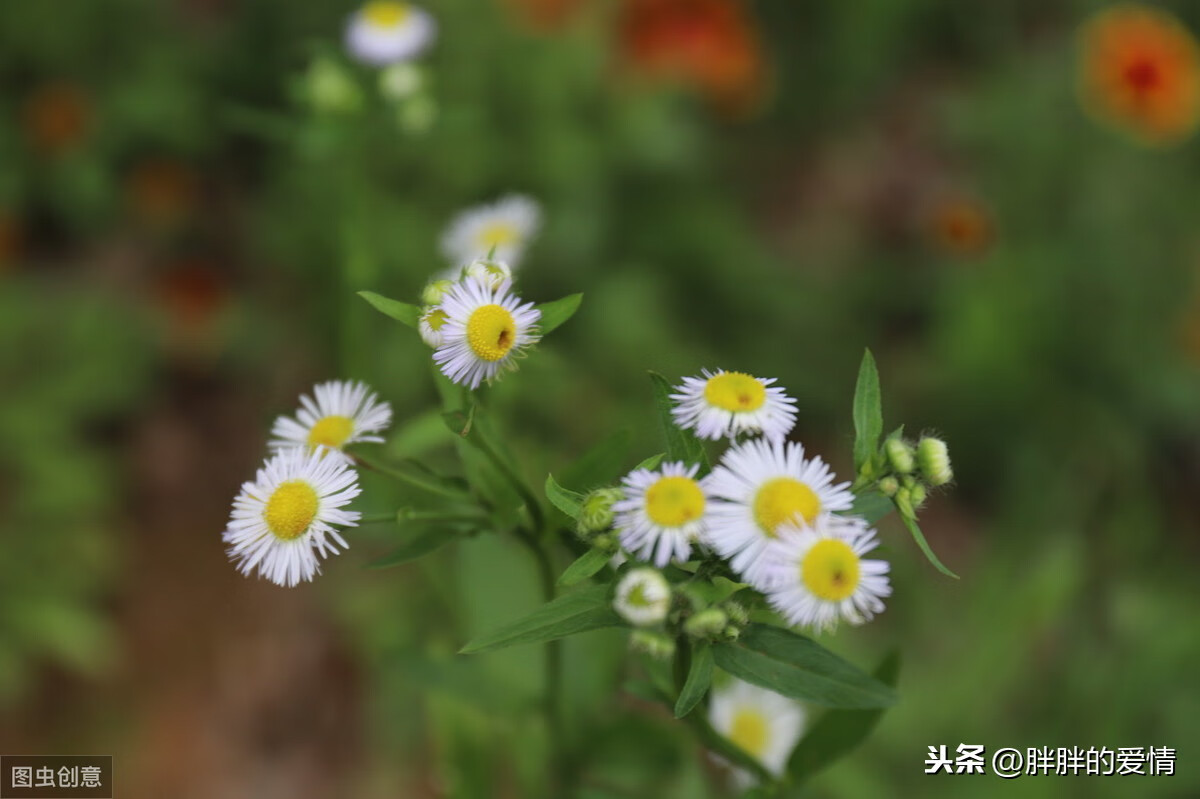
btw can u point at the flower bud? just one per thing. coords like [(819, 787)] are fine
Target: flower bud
[(706, 624), (430, 326), (654, 644), (643, 597), (889, 486), (330, 88), (933, 456), (595, 512), (398, 81), (489, 273), (737, 613), (433, 293), (900, 455)]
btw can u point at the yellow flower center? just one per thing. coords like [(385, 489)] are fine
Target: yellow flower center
[(498, 234), (637, 597), (750, 731), (386, 13), (291, 509), (735, 391), (674, 501), (784, 499), (435, 319), (830, 570), (332, 431), (491, 332)]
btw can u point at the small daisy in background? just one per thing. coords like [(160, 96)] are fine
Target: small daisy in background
[(643, 597), (731, 404), (760, 485), (500, 231), (815, 575), (762, 723), (663, 513), (283, 521), (485, 330), (1139, 70), (385, 32), (337, 414)]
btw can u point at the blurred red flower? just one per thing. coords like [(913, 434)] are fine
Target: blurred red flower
[(56, 117), (960, 226), (709, 44), (1139, 71)]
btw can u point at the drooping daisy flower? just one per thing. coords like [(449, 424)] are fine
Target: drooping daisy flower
[(1139, 69), (762, 723), (663, 513), (815, 575), (385, 32), (486, 328), (337, 414), (731, 403), (283, 521), (503, 228), (760, 485), (430, 326), (643, 597)]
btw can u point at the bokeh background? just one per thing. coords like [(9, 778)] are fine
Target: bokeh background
[(187, 208)]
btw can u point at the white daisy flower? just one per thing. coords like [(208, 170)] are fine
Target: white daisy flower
[(490, 273), (758, 486), (337, 414), (814, 575), (430, 325), (385, 32), (486, 328), (506, 225), (731, 403), (643, 597), (282, 522), (663, 513), (762, 723)]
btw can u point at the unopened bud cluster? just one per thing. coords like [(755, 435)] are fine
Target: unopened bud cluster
[(905, 472)]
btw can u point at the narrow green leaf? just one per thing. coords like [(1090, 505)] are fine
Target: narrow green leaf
[(715, 592), (402, 312), (556, 312), (698, 680), (838, 732), (584, 567), (568, 501), (418, 546), (682, 445), (919, 537), (871, 506), (599, 466), (868, 411), (586, 609), (795, 666), (651, 462)]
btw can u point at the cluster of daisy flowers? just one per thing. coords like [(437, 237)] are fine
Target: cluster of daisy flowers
[(285, 519), (775, 514)]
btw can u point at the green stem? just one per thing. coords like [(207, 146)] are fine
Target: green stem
[(413, 477)]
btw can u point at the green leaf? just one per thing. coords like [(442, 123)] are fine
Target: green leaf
[(402, 312), (871, 506), (919, 537), (416, 547), (651, 462), (586, 609), (838, 732), (557, 312), (568, 501), (795, 666), (699, 679), (681, 444), (868, 411), (715, 592), (600, 465), (584, 567)]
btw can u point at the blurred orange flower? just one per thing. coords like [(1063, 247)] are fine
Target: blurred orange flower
[(709, 44), (192, 292), (56, 117), (545, 16), (160, 191), (960, 226), (1139, 70)]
